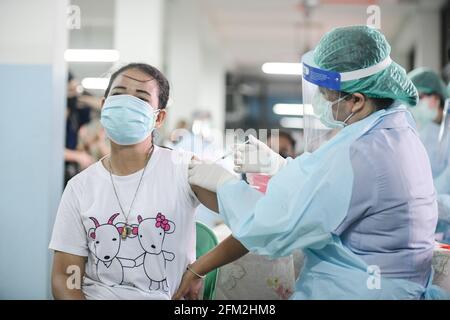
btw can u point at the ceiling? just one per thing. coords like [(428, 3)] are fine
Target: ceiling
[(252, 32), (256, 31)]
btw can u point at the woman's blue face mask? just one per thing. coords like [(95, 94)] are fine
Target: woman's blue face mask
[(128, 120)]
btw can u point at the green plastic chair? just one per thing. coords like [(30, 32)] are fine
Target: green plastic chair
[(207, 240)]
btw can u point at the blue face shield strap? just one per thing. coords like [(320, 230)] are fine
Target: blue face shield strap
[(332, 79), (322, 78)]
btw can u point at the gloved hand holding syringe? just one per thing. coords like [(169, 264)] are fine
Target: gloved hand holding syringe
[(254, 156)]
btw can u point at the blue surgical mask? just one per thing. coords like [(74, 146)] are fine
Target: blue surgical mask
[(323, 109), (127, 120)]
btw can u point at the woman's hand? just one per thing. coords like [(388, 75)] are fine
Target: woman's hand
[(189, 287)]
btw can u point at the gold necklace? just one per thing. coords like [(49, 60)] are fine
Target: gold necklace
[(126, 231)]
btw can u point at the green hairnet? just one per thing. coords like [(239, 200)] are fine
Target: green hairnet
[(427, 81), (357, 47)]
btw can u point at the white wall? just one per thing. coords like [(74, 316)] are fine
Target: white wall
[(428, 45), (138, 31), (32, 85), (421, 32), (195, 65), (212, 88)]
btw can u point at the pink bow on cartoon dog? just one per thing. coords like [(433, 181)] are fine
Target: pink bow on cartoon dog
[(162, 222)]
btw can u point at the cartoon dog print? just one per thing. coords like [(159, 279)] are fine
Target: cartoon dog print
[(106, 244), (151, 234)]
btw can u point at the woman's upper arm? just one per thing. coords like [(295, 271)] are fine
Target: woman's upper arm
[(67, 265), (69, 234), (63, 263), (206, 197)]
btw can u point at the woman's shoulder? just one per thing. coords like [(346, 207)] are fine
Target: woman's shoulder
[(83, 176), (176, 157)]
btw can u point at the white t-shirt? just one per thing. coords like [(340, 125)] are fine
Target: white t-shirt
[(150, 262)]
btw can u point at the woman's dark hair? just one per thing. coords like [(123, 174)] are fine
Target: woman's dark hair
[(151, 71)]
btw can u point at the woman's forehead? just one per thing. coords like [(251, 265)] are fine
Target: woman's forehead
[(135, 79)]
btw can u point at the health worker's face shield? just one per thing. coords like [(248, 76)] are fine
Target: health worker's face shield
[(324, 111), (325, 106), (444, 133)]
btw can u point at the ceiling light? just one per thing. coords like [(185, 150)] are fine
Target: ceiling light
[(91, 55), (95, 83), (282, 68), (293, 109), (292, 123)]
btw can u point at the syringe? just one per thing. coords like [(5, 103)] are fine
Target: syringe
[(229, 153)]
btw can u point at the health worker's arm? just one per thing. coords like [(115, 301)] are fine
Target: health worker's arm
[(226, 252)]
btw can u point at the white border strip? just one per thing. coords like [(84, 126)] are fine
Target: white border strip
[(362, 73)]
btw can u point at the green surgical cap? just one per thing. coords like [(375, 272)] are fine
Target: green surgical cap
[(427, 81), (357, 47)]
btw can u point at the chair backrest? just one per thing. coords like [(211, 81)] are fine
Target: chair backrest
[(206, 240)]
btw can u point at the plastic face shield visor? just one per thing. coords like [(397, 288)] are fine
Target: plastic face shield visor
[(316, 83), (319, 84), (444, 132)]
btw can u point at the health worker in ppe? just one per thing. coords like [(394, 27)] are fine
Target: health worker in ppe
[(360, 202), (428, 114), (432, 122)]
